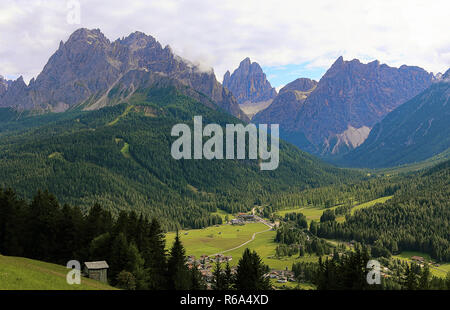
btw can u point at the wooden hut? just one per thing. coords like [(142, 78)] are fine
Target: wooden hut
[(97, 270)]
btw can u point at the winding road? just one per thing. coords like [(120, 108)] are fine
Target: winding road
[(248, 241)]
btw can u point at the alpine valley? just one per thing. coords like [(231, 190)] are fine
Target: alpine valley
[(86, 173)]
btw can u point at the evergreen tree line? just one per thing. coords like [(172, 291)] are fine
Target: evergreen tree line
[(345, 195), (348, 271), (294, 238), (250, 274)]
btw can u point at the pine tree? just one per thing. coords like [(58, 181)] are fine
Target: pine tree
[(250, 273), (228, 277), (218, 277), (42, 227), (155, 256), (425, 275), (197, 281), (178, 275), (410, 279), (119, 256)]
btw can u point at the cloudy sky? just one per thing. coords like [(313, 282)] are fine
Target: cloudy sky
[(289, 39)]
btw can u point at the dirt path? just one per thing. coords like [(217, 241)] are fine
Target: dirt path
[(246, 242)]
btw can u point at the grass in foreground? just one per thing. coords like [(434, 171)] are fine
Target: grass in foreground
[(17, 273)]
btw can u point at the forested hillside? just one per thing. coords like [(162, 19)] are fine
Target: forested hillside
[(120, 157), (417, 218), (415, 131)]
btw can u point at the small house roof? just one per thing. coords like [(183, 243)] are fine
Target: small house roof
[(97, 265)]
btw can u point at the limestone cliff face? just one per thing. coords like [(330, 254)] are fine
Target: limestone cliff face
[(350, 95), (248, 83), (88, 65), (4, 84)]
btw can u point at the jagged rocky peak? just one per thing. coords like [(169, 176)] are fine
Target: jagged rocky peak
[(3, 85), (248, 83), (300, 84), (19, 83), (88, 65), (446, 75), (85, 36), (438, 76), (138, 40), (226, 78)]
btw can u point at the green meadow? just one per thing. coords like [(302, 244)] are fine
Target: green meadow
[(219, 239), (440, 271), (17, 273), (314, 214), (311, 213), (265, 246), (215, 239), (370, 203)]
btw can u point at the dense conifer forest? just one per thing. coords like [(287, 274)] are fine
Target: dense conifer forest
[(417, 218)]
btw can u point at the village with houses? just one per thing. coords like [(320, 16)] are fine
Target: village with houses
[(206, 264)]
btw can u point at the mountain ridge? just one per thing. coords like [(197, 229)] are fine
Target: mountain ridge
[(349, 94), (88, 64)]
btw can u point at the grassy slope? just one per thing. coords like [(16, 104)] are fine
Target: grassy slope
[(370, 203), (17, 273)]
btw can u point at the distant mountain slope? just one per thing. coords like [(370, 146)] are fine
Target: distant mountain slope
[(88, 65), (120, 157), (287, 103), (300, 84), (415, 131), (348, 100), (248, 83)]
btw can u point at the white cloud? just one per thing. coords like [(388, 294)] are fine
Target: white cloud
[(221, 34)]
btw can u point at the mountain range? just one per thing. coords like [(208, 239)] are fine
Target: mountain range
[(86, 67), (338, 114)]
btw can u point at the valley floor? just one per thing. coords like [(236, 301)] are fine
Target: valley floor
[(232, 240)]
